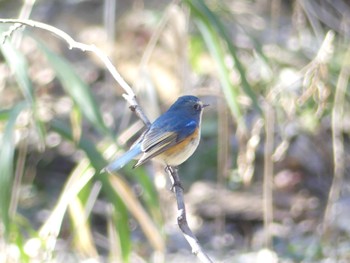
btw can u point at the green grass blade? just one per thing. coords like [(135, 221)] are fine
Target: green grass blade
[(77, 180), (78, 90), (121, 213), (208, 18), (215, 48), (4, 114), (147, 225), (150, 195), (18, 64), (117, 196), (76, 122), (86, 145), (19, 67), (121, 222), (7, 151)]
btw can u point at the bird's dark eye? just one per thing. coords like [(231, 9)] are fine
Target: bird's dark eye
[(197, 106)]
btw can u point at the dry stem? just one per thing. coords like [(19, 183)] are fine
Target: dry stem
[(268, 173), (181, 218), (337, 140)]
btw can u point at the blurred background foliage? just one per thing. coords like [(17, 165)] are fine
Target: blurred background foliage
[(269, 177)]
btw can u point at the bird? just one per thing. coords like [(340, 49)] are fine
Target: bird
[(172, 138)]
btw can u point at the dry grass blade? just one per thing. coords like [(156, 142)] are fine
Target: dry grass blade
[(21, 159), (81, 175), (268, 173), (7, 151), (148, 227), (223, 142), (19, 67), (78, 90), (338, 140), (247, 150), (83, 238)]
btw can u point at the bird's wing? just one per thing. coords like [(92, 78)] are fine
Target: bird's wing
[(159, 139), (156, 146)]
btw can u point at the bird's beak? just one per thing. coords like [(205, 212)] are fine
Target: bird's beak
[(205, 105)]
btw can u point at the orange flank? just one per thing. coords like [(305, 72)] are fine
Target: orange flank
[(179, 153), (182, 145)]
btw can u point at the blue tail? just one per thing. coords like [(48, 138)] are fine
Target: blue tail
[(121, 161)]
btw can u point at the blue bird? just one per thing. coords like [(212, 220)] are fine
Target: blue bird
[(172, 138)]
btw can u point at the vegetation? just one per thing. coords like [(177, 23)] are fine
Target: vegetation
[(269, 177)]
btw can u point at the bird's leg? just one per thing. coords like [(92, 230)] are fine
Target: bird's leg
[(174, 177)]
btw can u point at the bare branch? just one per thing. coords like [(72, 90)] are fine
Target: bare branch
[(182, 220), (72, 44), (134, 107)]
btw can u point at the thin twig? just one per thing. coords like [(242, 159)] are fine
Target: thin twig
[(134, 107), (181, 218), (129, 95)]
